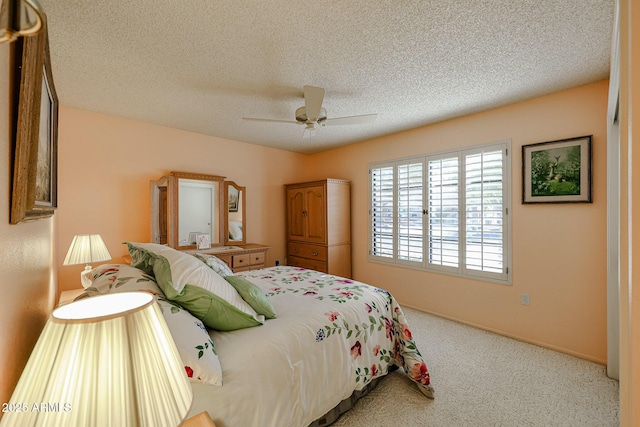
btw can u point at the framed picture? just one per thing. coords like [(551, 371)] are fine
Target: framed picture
[(233, 198), (557, 171), (35, 130)]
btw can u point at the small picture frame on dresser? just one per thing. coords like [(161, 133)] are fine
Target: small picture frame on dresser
[(203, 241)]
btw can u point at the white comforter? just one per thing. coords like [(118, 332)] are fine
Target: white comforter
[(332, 336)]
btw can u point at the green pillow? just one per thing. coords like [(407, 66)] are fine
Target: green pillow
[(253, 295), (196, 287)]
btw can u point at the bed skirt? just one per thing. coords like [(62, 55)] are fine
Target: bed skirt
[(348, 403)]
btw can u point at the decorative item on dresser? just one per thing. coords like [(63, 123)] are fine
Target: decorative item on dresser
[(319, 226)]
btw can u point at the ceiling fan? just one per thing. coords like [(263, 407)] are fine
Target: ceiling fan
[(313, 114)]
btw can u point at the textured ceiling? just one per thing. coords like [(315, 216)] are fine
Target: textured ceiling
[(203, 65)]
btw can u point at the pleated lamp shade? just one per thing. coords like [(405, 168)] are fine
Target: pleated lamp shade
[(103, 361), (85, 249)]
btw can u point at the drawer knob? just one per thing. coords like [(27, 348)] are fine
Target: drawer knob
[(315, 253)]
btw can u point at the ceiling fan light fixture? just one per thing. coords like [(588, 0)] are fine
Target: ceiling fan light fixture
[(301, 116)]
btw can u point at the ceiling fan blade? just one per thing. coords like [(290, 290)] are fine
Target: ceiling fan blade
[(255, 119), (351, 120), (313, 97)]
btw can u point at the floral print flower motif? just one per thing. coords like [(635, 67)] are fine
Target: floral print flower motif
[(420, 374), (368, 308), (332, 315), (390, 328), (406, 332), (376, 350), (106, 271), (374, 370), (345, 281), (276, 289), (310, 293), (356, 350), (189, 371), (346, 294), (320, 335), (381, 291)]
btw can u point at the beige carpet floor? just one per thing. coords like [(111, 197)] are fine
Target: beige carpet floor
[(483, 379)]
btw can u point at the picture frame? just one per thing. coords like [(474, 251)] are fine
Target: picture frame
[(557, 171), (34, 130), (233, 198)]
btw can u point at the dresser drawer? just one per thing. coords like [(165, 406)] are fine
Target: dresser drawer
[(307, 251), (239, 261), (311, 264), (257, 258)]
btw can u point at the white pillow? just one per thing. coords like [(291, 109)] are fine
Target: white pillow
[(196, 347)]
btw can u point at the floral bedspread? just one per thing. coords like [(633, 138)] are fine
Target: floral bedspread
[(379, 315), (331, 336)]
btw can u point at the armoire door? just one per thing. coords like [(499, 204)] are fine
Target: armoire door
[(295, 212), (316, 214)]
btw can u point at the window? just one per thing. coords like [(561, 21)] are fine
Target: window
[(445, 212)]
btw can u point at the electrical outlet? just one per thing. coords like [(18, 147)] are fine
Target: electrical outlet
[(277, 262), (524, 299)]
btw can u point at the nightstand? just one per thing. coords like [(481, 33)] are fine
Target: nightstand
[(201, 420)]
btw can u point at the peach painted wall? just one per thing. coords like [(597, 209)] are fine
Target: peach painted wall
[(559, 251), (27, 271), (106, 164)]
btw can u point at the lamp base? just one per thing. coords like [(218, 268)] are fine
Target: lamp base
[(85, 276)]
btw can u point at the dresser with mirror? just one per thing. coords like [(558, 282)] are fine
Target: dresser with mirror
[(204, 213)]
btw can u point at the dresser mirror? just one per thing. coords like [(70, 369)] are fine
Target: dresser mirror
[(187, 208), (234, 214)]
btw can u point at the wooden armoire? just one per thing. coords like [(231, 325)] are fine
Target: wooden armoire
[(319, 226)]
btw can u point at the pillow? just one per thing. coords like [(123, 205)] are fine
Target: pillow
[(112, 278), (235, 230), (194, 344), (253, 295), (196, 287), (215, 263)]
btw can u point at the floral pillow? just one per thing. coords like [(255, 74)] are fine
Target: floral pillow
[(215, 263), (194, 344)]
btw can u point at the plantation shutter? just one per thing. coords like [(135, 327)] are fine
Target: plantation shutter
[(484, 212), (410, 232), (382, 212), (443, 212)]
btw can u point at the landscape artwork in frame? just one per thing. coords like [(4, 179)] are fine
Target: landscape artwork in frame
[(557, 171), (233, 198), (34, 130)]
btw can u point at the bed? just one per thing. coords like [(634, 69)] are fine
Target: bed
[(308, 343)]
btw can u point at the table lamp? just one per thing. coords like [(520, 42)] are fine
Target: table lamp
[(103, 361), (85, 249)]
